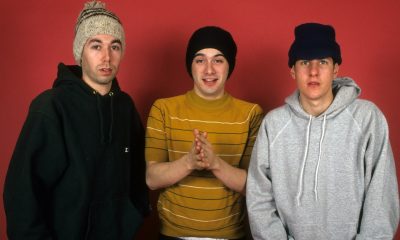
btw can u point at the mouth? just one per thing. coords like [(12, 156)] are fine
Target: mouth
[(313, 84), (105, 70), (210, 81)]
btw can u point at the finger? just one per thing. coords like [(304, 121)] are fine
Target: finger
[(196, 132), (205, 134), (202, 139), (196, 146)]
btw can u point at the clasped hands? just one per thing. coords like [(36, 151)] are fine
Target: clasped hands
[(201, 155)]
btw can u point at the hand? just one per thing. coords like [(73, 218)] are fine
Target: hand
[(208, 157), (195, 159)]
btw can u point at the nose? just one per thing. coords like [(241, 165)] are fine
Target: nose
[(106, 54), (210, 68), (314, 68)]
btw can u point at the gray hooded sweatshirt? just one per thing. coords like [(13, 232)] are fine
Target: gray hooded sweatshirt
[(326, 177)]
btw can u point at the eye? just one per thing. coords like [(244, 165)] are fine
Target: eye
[(198, 60), (116, 47), (95, 47), (323, 62), (218, 60), (304, 62)]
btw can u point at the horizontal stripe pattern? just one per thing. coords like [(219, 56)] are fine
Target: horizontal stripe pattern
[(200, 205)]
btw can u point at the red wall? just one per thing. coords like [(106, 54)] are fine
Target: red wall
[(36, 35)]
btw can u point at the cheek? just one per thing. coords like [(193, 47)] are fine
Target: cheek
[(196, 78), (197, 70), (117, 56), (89, 59), (223, 70), (84, 62)]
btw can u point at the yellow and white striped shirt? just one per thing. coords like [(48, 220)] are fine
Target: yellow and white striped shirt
[(200, 205)]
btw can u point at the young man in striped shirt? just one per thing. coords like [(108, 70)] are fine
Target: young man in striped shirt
[(198, 146)]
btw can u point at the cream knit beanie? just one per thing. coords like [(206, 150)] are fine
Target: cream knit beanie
[(94, 19)]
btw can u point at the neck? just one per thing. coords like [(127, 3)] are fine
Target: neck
[(315, 107), (102, 89), (210, 97)]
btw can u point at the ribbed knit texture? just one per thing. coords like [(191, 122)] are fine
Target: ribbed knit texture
[(93, 20), (200, 205)]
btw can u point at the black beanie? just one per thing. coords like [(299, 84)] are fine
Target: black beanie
[(314, 41), (211, 37)]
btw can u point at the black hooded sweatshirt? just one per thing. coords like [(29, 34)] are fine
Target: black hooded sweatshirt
[(78, 168)]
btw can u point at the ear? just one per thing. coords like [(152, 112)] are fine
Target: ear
[(292, 72), (335, 70)]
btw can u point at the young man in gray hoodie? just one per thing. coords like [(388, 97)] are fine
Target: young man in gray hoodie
[(322, 166)]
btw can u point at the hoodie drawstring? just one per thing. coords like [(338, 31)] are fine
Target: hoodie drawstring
[(101, 117), (304, 162), (300, 192), (100, 112), (112, 116), (319, 159)]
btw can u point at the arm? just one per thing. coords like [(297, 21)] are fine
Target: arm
[(380, 212), (139, 190), (164, 174), (221, 169), (37, 164), (161, 171), (263, 215)]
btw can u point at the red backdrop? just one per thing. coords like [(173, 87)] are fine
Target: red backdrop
[(37, 35)]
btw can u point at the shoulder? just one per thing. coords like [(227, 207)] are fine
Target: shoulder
[(365, 109), (168, 102), (44, 105), (125, 96), (125, 100), (278, 114), (43, 101), (248, 107), (365, 113), (277, 119)]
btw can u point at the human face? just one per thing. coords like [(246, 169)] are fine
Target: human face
[(314, 80), (209, 71), (101, 57)]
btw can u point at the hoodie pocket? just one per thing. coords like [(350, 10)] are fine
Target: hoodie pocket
[(113, 219)]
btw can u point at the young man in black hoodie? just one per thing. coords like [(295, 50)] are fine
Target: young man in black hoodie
[(78, 167)]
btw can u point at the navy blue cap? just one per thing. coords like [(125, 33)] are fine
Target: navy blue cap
[(314, 41)]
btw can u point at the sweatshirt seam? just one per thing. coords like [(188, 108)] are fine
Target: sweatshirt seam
[(355, 121), (281, 131)]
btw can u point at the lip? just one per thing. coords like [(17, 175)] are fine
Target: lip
[(313, 84), (210, 79), (210, 82), (105, 70)]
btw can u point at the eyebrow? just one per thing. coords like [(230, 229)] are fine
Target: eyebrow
[(216, 55), (96, 40), (116, 41)]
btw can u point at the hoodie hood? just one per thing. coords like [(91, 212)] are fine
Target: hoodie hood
[(345, 91), (71, 76)]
